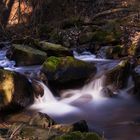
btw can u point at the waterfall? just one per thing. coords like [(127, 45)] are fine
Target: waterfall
[(70, 102), (90, 92)]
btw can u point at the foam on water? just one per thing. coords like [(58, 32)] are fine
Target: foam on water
[(87, 56), (112, 116)]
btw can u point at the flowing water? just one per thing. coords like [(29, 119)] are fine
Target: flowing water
[(116, 118)]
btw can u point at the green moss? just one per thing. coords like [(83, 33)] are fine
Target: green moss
[(25, 55), (78, 136), (99, 36), (51, 63), (51, 46), (28, 49), (66, 68), (104, 37)]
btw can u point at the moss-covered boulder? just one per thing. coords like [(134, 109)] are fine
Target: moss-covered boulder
[(86, 37), (78, 136), (54, 49), (65, 69), (114, 52), (101, 37), (118, 75), (136, 78), (16, 92), (25, 55), (109, 33)]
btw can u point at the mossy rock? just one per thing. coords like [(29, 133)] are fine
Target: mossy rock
[(54, 49), (78, 136), (25, 55), (118, 75), (77, 126), (105, 37), (101, 37), (109, 33), (16, 92), (86, 37), (114, 52), (41, 120), (62, 69)]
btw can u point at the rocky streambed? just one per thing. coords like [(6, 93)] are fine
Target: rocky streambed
[(68, 87)]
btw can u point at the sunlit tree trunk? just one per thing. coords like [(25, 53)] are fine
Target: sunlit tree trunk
[(6, 13)]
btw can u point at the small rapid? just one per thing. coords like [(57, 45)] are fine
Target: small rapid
[(117, 118)]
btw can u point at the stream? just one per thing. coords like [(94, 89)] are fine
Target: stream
[(116, 118)]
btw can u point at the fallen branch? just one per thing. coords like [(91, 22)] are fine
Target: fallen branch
[(111, 11)]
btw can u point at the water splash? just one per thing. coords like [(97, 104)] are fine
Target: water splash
[(48, 104), (91, 91), (89, 57)]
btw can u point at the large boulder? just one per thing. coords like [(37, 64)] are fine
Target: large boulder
[(66, 69), (118, 75), (54, 49), (25, 55), (136, 78), (100, 37), (114, 52), (16, 92)]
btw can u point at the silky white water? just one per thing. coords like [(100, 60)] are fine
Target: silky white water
[(117, 118), (70, 100), (112, 116)]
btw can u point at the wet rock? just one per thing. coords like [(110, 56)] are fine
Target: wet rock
[(54, 49), (16, 92), (78, 126), (41, 120), (86, 37), (118, 75), (136, 78), (64, 69), (114, 52), (108, 34), (37, 88), (101, 37), (25, 55), (106, 92)]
